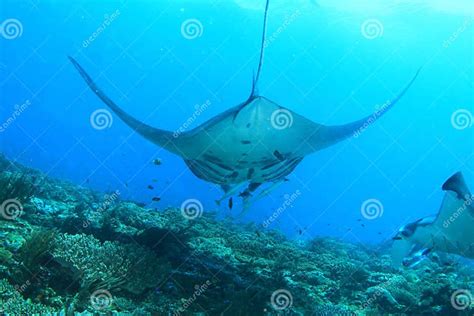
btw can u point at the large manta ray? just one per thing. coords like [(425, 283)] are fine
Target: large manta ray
[(249, 144), (451, 230)]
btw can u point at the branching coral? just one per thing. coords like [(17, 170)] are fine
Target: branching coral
[(12, 302), (109, 265)]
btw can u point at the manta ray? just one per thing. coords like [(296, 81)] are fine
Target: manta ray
[(253, 143), (450, 231)]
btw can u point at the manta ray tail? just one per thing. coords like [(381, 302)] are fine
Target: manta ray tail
[(254, 92), (160, 137), (262, 51)]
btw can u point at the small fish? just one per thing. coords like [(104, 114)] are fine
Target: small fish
[(245, 194), (359, 220), (156, 199), (278, 155), (126, 185), (154, 180), (231, 203), (150, 187), (258, 233), (363, 225), (157, 162)]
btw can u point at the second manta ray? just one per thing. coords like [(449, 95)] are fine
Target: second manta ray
[(253, 143), (451, 231)]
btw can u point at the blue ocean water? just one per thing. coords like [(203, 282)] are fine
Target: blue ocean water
[(331, 61)]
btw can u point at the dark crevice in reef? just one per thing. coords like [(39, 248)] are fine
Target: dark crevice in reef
[(68, 249)]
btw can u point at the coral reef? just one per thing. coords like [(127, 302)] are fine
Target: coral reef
[(72, 250)]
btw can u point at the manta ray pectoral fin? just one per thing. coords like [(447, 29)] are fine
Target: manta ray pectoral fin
[(325, 136), (160, 137), (451, 230), (456, 210), (457, 184)]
